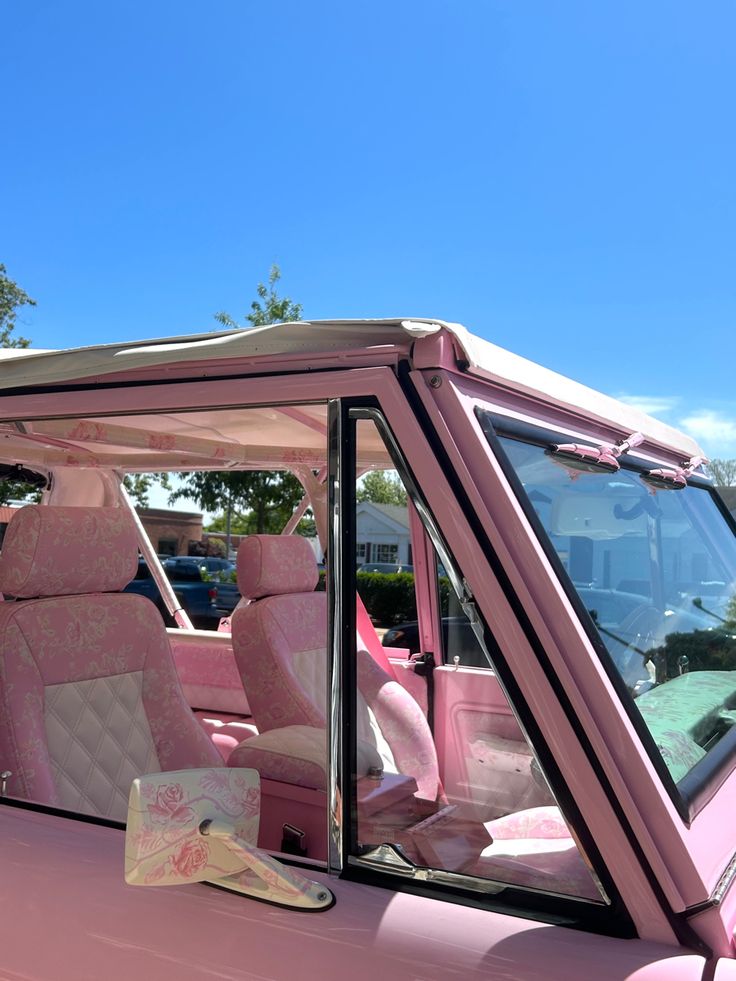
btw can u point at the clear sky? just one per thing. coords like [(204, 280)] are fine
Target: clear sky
[(560, 177)]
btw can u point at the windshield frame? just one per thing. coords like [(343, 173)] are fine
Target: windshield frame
[(690, 795)]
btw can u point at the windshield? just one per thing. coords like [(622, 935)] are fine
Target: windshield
[(656, 571)]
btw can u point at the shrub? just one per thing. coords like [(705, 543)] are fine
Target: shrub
[(389, 599), (449, 605), (697, 650)]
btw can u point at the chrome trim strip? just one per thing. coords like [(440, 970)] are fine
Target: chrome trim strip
[(334, 642), (724, 883), (717, 896), (388, 858)]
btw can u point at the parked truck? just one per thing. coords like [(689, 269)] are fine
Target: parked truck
[(196, 594)]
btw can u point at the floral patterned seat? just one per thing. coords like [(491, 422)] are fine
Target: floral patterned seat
[(89, 696), (279, 641)]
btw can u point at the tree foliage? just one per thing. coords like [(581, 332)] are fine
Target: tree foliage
[(13, 488), (12, 297), (389, 599), (245, 524), (269, 308), (700, 650), (139, 484), (731, 613), (262, 500), (240, 524), (723, 472), (381, 487)]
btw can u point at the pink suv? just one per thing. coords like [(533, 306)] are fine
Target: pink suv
[(302, 801)]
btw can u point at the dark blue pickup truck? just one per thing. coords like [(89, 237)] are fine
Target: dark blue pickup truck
[(197, 584), (220, 573)]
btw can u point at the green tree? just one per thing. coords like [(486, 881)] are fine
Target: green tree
[(14, 489), (253, 501), (723, 472), (261, 501), (239, 524), (139, 484), (731, 614), (12, 297), (381, 487), (246, 524), (269, 308)]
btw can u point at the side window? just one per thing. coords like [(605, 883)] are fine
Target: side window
[(460, 644), (383, 549), (183, 571), (101, 693), (443, 777), (655, 568)]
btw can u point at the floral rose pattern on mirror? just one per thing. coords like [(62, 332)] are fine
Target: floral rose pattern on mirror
[(169, 806), (164, 843), (191, 857)]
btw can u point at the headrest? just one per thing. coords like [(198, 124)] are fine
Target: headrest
[(56, 551), (269, 565)]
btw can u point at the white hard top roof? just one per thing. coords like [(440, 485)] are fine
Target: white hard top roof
[(20, 368)]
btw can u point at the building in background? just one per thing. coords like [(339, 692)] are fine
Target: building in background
[(171, 532), (382, 533)]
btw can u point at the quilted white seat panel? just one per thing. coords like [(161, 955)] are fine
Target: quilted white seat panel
[(99, 740)]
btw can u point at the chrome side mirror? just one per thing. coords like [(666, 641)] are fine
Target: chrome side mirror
[(196, 825)]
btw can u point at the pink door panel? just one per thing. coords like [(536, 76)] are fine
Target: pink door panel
[(484, 757)]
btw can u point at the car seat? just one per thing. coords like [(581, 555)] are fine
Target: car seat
[(89, 695), (279, 642)]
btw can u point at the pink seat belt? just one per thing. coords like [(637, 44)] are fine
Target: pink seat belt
[(368, 639)]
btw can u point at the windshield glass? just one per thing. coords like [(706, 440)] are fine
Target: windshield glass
[(656, 571)]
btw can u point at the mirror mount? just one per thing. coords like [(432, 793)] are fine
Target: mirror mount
[(202, 825)]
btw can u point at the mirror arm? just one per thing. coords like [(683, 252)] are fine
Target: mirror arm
[(278, 883)]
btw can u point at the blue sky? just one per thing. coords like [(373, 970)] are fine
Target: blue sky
[(560, 177)]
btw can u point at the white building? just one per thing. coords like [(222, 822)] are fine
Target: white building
[(382, 533)]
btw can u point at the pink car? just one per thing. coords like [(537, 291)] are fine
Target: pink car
[(301, 801)]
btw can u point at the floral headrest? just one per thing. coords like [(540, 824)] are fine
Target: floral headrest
[(269, 565), (58, 551)]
